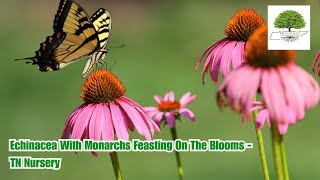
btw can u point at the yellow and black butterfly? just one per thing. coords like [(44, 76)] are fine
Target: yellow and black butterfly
[(75, 36)]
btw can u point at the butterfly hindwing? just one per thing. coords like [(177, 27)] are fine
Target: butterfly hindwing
[(101, 20), (102, 23)]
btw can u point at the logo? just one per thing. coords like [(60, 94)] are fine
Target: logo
[(289, 27)]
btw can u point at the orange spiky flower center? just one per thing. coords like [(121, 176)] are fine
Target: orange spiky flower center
[(169, 106), (242, 24), (257, 54), (102, 86)]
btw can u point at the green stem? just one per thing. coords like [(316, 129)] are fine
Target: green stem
[(180, 170), (116, 165), (261, 147), (284, 159), (276, 142)]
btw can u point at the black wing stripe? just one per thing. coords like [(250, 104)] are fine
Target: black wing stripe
[(97, 14), (83, 28), (104, 26), (104, 39), (61, 15), (88, 40), (103, 31)]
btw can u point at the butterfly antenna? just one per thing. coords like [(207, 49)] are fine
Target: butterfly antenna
[(115, 62), (121, 46)]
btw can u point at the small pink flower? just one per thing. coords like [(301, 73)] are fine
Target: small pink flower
[(106, 112), (170, 110), (316, 68), (229, 51), (286, 89)]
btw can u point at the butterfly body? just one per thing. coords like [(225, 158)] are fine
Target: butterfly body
[(76, 35)]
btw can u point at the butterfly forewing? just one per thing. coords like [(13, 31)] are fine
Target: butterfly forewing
[(81, 37)]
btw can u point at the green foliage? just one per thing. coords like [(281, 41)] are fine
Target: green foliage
[(290, 19)]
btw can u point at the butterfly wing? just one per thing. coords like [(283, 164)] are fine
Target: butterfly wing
[(101, 20), (74, 37), (81, 38)]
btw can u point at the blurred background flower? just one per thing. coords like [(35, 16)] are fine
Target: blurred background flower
[(229, 51), (315, 67), (170, 110), (286, 89)]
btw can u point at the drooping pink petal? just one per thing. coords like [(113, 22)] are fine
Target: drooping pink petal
[(170, 119), (211, 56), (261, 118), (205, 69), (292, 92), (118, 122), (238, 90), (252, 90), (95, 124), (291, 116), (216, 56), (187, 113), (237, 57), (152, 125), (107, 124), (226, 58), (82, 122), (273, 96), (70, 122), (235, 80), (135, 117), (206, 51), (142, 111), (310, 90), (282, 128)]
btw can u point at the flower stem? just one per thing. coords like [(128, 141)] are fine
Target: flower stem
[(180, 170), (261, 147), (276, 142), (284, 159), (116, 165)]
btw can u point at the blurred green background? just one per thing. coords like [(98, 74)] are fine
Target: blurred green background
[(163, 40)]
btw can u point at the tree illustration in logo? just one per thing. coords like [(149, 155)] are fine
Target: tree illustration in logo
[(289, 19)]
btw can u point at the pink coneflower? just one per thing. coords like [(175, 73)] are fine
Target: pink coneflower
[(106, 111), (316, 68), (169, 109), (230, 49), (286, 89)]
